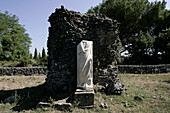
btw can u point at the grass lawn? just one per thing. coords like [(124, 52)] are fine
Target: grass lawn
[(146, 93)]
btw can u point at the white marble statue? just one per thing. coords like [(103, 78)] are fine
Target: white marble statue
[(85, 65)]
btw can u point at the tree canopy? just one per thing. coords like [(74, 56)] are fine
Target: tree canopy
[(14, 41), (144, 26)]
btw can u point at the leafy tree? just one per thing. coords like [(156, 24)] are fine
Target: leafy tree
[(140, 47), (141, 23), (127, 12), (162, 47), (14, 42), (35, 54), (31, 55)]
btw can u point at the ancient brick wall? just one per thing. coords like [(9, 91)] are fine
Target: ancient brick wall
[(67, 29)]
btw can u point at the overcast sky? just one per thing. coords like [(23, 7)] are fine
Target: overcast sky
[(34, 15)]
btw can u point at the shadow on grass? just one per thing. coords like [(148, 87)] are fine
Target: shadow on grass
[(28, 98)]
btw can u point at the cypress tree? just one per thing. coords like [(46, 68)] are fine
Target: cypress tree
[(39, 56), (43, 54), (35, 54)]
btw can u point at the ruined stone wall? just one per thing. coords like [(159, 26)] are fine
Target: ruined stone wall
[(27, 71), (67, 29)]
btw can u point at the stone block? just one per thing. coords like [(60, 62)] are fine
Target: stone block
[(84, 98)]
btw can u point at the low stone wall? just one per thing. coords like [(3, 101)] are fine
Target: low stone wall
[(27, 71), (144, 69), (136, 69)]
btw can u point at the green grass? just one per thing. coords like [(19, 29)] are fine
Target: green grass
[(8, 63), (152, 91)]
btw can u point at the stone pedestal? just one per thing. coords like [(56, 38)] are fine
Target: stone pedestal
[(85, 98)]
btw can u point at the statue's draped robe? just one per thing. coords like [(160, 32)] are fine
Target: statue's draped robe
[(85, 65)]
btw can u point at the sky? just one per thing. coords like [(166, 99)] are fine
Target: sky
[(33, 14)]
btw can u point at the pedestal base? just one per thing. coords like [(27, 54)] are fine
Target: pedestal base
[(84, 98)]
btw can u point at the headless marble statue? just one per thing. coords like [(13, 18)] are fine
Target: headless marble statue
[(85, 65)]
